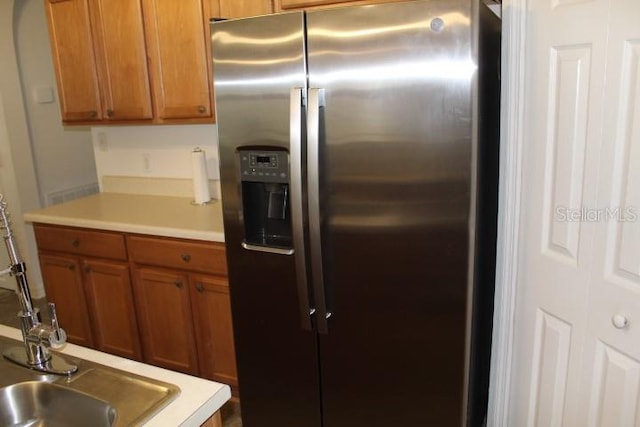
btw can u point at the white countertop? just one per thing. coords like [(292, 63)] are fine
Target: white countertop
[(198, 400), (134, 213)]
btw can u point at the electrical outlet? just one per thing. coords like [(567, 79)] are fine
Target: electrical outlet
[(146, 162)]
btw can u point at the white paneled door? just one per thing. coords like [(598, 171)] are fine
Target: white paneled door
[(577, 332)]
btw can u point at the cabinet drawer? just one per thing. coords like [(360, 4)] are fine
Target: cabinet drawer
[(206, 257), (80, 241)]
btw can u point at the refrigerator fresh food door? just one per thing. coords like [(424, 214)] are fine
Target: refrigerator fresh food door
[(260, 80), (394, 86)]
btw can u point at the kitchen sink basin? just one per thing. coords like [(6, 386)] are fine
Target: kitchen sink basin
[(37, 403), (96, 395)]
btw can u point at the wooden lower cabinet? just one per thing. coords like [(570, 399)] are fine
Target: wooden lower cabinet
[(160, 300), (214, 331), (94, 302), (62, 277), (182, 293), (164, 308), (111, 309)]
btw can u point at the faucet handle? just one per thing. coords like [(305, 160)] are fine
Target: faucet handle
[(58, 336)]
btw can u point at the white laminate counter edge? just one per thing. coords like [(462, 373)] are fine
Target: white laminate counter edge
[(180, 233), (199, 399), (141, 214)]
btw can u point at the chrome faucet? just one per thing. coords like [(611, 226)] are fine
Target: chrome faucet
[(38, 338)]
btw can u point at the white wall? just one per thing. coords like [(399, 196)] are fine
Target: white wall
[(153, 151), (19, 183), (63, 156)]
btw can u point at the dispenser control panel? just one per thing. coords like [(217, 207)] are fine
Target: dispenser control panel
[(264, 166)]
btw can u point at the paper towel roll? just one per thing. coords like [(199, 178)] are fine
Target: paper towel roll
[(200, 180)]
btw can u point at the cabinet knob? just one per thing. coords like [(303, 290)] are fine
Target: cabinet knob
[(199, 287), (93, 114), (178, 284), (185, 257), (75, 243), (71, 267), (109, 112), (202, 109), (619, 321)]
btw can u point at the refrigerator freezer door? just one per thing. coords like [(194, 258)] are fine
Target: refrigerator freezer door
[(395, 172), (256, 64)]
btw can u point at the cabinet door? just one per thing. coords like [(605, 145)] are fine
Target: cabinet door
[(164, 309), (177, 45), (303, 4), (63, 285), (74, 59), (122, 59), (214, 331), (110, 302), (230, 9)]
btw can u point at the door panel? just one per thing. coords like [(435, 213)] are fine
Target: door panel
[(108, 291), (577, 353), (63, 284), (395, 202), (165, 318), (122, 59), (255, 67), (611, 373)]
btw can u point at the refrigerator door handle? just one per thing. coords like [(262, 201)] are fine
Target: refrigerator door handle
[(297, 218), (315, 102)]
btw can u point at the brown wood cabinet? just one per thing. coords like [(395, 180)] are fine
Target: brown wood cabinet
[(161, 300), (86, 275), (188, 280), (214, 332), (62, 277), (283, 5), (230, 9), (178, 46), (131, 61), (111, 310)]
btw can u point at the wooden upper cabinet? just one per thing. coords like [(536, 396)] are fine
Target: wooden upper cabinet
[(74, 60), (132, 61), (122, 60), (230, 9), (177, 47), (281, 5)]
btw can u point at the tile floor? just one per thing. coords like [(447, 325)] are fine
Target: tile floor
[(9, 308)]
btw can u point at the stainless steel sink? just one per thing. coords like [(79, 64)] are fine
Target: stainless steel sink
[(36, 403), (96, 395)]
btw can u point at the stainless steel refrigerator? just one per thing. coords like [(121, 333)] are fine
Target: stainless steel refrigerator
[(358, 160)]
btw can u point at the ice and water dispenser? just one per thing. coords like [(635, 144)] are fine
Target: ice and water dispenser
[(264, 174)]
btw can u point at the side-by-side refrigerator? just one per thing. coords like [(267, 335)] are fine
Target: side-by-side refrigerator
[(358, 161)]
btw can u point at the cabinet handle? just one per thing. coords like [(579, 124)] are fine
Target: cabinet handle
[(199, 287), (178, 284), (202, 109), (185, 257), (75, 243), (93, 114), (87, 269), (109, 112), (71, 267)]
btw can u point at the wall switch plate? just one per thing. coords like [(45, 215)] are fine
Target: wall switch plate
[(43, 94)]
